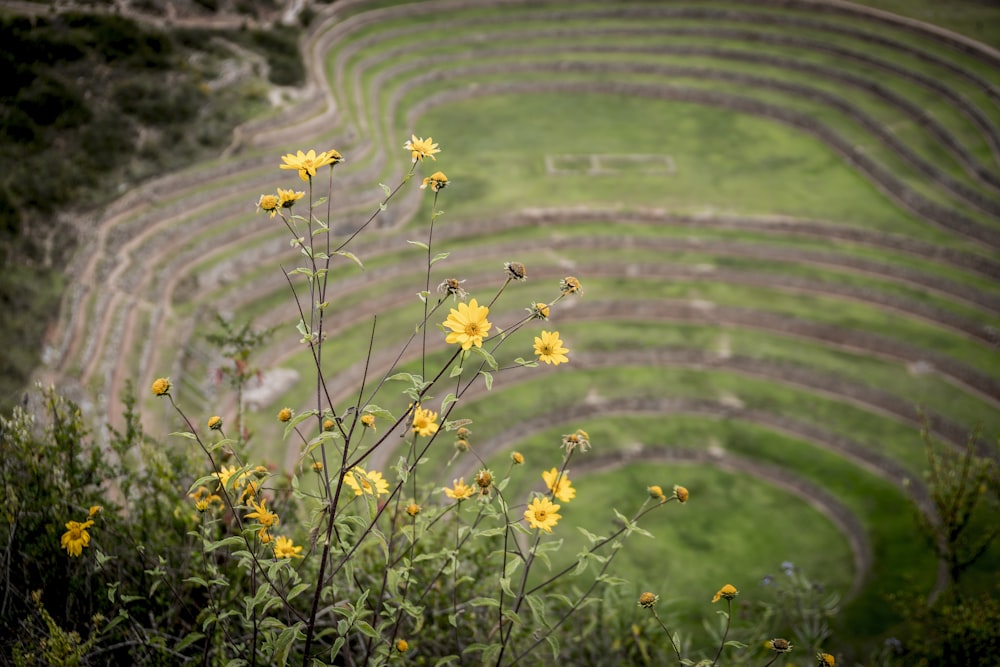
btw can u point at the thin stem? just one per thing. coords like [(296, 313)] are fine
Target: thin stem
[(673, 644), (729, 622)]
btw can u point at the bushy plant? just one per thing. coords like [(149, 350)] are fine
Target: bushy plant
[(364, 552)]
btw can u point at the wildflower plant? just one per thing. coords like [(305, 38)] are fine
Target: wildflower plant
[(366, 552)]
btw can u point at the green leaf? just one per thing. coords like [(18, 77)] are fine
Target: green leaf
[(455, 371), (419, 244), (483, 602), (351, 256), (490, 361), (448, 400), (438, 257), (537, 609), (187, 641), (386, 189), (296, 420), (185, 434), (554, 645), (382, 413), (488, 378)]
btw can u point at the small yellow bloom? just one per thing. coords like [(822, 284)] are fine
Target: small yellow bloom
[(224, 474), (285, 548), (268, 204), (559, 484), (402, 646), (484, 480), (94, 509), (539, 311), (287, 198), (264, 535), (543, 514), (453, 287), (203, 499), (424, 421), (328, 425), (285, 415), (307, 163), (215, 422), (459, 490), (570, 285), (549, 348), (517, 458), (468, 324), (161, 386), (370, 482), (825, 660), (368, 421), (728, 592), (579, 439), (413, 509), (656, 493), (318, 466), (516, 270), (264, 516), (421, 148), (76, 537), (437, 181), (681, 494), (648, 600), (462, 445)]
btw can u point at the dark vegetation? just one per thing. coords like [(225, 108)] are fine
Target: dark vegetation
[(95, 103)]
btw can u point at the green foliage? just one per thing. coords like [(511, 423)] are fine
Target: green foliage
[(951, 632)]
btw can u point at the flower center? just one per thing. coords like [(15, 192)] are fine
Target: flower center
[(472, 329), (546, 349), (540, 515)]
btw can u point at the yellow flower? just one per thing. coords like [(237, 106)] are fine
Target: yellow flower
[(484, 480), (648, 600), (285, 548), (215, 422), (559, 484), (370, 482), (825, 660), (328, 425), (728, 592), (285, 415), (517, 458), (656, 493), (264, 535), (203, 499), (264, 516), (778, 645), (681, 494), (453, 287), (307, 163), (468, 324), (579, 439), (224, 474), (413, 509), (421, 148), (318, 466), (542, 513), (459, 490), (76, 537), (94, 509), (539, 311), (161, 386), (437, 181), (516, 270), (570, 285), (368, 421), (549, 348), (287, 198), (402, 646), (424, 421), (268, 204)]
